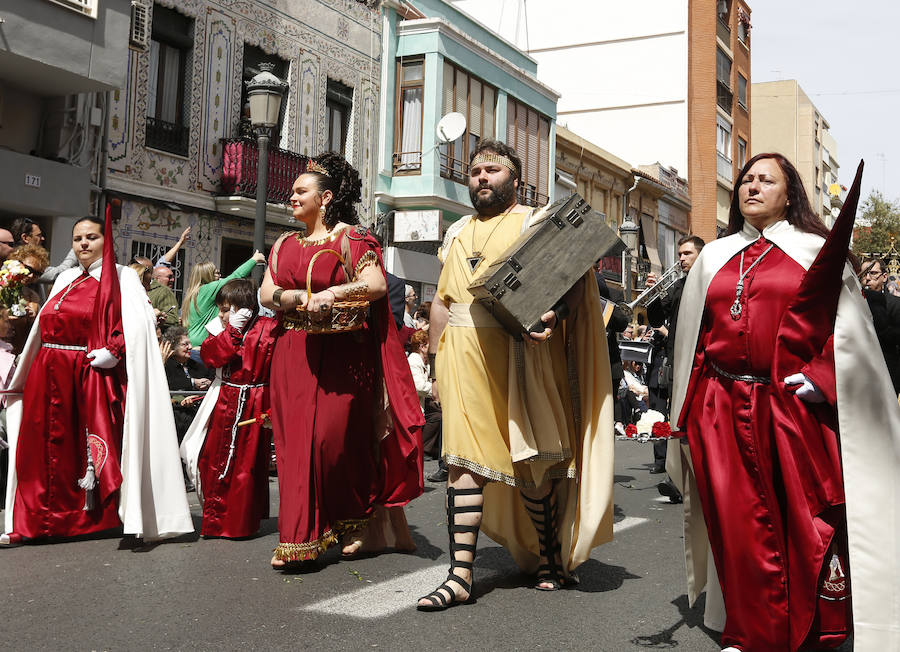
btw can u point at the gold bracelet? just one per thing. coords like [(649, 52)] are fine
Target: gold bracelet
[(276, 297), (356, 291)]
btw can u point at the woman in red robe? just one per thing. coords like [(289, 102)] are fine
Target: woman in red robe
[(82, 455), (234, 460), (762, 422), (346, 420)]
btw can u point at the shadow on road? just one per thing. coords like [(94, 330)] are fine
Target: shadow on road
[(690, 617)]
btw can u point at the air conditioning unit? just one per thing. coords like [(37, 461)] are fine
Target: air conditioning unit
[(140, 25)]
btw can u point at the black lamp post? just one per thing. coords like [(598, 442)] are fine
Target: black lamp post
[(628, 231), (265, 91)]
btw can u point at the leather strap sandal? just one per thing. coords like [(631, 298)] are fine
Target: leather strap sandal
[(438, 601), (543, 515)]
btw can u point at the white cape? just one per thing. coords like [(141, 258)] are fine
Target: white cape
[(152, 502)]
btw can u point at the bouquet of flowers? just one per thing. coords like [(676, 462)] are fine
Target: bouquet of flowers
[(13, 275)]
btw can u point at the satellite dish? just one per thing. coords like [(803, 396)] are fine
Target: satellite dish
[(450, 127)]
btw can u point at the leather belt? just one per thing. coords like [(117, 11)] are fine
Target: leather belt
[(745, 378), (63, 347)]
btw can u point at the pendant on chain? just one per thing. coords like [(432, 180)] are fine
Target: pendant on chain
[(736, 306), (474, 260)]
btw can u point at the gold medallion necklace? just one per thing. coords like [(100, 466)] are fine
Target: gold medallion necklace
[(475, 259)]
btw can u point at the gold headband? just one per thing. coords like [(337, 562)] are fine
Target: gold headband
[(313, 166), (483, 157)]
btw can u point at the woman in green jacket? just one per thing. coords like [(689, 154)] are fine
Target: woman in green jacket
[(199, 305)]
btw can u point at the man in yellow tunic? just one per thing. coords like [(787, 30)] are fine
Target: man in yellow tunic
[(527, 425)]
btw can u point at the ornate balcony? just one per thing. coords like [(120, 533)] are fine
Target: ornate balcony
[(241, 158), (167, 136)]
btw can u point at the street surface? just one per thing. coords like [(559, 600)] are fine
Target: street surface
[(197, 594)]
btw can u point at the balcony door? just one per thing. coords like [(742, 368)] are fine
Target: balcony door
[(170, 50)]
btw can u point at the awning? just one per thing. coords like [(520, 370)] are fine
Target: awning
[(649, 230)]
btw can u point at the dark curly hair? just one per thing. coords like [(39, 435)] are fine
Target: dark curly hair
[(344, 183)]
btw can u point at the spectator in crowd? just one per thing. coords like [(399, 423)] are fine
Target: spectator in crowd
[(199, 304), (409, 307), (885, 310), (7, 244), (417, 355), (143, 273), (27, 231), (184, 374), (616, 325), (421, 317), (162, 298)]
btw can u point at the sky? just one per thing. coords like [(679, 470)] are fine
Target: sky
[(846, 58)]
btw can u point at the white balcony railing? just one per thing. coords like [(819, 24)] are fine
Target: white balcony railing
[(86, 7), (723, 166)]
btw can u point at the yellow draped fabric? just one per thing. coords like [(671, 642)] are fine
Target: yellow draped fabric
[(519, 413)]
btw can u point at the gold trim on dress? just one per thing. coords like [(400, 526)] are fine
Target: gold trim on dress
[(505, 478), (331, 237), (309, 550), (370, 258)]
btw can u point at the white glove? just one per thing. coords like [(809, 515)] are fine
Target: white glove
[(807, 391), (102, 359), (239, 318)]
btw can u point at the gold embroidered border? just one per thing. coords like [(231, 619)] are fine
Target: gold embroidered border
[(505, 478), (307, 550), (370, 258)]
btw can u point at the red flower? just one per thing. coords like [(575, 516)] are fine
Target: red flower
[(631, 430), (661, 429)]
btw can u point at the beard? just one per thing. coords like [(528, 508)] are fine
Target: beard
[(501, 197)]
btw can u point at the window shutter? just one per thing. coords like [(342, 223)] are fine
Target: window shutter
[(448, 89), (543, 155), (475, 108), (489, 106), (140, 26)]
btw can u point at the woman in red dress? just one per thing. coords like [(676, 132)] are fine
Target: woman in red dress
[(78, 416), (345, 416), (769, 429)]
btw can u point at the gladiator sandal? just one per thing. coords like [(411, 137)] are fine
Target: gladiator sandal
[(544, 513), (462, 555)]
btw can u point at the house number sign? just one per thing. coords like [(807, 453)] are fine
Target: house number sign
[(32, 180)]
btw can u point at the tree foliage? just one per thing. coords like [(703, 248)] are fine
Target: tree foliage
[(878, 220)]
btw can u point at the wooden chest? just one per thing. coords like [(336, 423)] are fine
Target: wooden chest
[(544, 263)]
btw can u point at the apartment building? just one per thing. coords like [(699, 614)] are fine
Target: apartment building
[(785, 120), (439, 60), (58, 61)]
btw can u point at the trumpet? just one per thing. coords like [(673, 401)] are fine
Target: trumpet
[(656, 290)]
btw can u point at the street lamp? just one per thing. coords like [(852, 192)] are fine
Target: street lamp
[(265, 91), (628, 231)]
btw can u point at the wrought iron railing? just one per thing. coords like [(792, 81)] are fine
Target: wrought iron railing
[(724, 95), (167, 136), (454, 169), (239, 165), (407, 162)]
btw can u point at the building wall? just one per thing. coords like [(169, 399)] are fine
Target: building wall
[(336, 39)]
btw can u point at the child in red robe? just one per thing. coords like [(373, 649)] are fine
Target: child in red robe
[(233, 465)]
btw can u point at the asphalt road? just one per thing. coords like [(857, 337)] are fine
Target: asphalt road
[(191, 593)]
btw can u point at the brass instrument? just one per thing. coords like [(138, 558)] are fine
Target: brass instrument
[(656, 290)]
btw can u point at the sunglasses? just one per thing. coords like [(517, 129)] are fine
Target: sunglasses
[(31, 269), (8, 243)]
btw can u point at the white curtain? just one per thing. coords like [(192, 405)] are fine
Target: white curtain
[(171, 61), (411, 130)]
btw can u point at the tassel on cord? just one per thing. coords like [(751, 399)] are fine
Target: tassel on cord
[(89, 481)]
